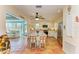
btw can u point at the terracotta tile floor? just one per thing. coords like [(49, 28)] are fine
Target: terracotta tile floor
[(52, 47)]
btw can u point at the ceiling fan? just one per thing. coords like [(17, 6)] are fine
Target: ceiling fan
[(37, 17)]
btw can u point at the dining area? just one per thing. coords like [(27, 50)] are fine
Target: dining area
[(40, 44), (36, 39)]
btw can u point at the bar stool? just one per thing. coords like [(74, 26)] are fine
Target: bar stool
[(42, 41), (32, 42), (38, 41), (28, 41)]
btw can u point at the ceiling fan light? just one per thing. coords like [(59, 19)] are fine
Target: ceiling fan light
[(37, 19)]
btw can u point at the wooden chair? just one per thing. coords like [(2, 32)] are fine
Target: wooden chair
[(28, 41), (32, 42), (42, 41)]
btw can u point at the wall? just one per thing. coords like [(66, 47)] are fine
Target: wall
[(2, 20), (3, 10), (75, 12), (71, 41)]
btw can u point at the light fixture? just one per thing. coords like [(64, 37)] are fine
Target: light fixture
[(32, 28), (52, 28), (69, 9), (36, 18)]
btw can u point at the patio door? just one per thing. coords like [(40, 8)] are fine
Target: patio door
[(16, 27)]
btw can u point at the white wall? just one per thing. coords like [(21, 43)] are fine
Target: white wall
[(71, 40), (2, 20), (75, 13), (3, 10)]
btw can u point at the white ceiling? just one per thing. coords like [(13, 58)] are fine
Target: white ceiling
[(47, 11)]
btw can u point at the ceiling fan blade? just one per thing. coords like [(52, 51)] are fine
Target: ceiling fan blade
[(41, 17), (36, 16)]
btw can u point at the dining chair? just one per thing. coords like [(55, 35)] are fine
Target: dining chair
[(32, 42), (42, 41)]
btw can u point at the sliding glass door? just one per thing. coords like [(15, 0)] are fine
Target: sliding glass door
[(15, 27)]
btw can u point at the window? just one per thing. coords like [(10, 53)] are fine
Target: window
[(37, 26)]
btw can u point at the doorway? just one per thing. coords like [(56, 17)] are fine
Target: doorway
[(16, 31)]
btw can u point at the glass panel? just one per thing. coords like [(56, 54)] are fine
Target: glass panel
[(16, 27)]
